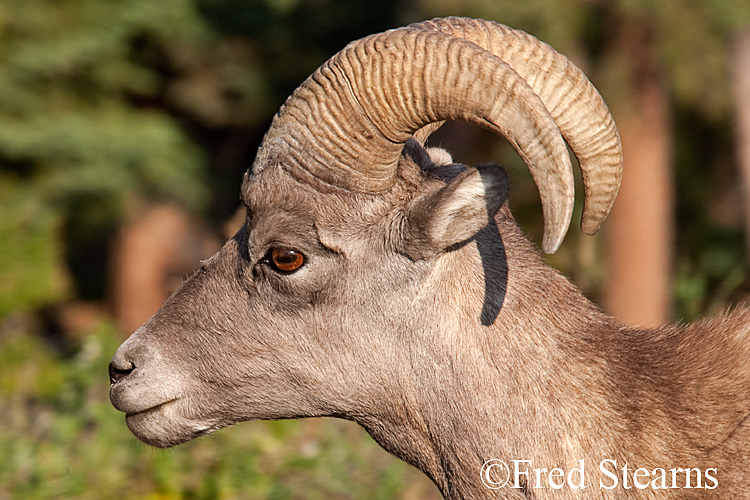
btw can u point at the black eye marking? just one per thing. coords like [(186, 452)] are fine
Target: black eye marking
[(284, 259)]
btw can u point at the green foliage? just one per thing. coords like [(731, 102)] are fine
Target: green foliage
[(76, 130), (61, 438), (29, 237), (710, 263), (706, 285), (71, 77), (692, 37)]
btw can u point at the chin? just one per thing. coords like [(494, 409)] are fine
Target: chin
[(163, 427)]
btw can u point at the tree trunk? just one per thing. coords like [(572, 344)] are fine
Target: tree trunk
[(640, 229), (741, 94), (151, 256)]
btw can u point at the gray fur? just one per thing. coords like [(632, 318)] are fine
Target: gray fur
[(471, 351), (424, 314)]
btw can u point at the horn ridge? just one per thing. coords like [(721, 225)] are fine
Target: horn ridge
[(351, 118), (575, 104)]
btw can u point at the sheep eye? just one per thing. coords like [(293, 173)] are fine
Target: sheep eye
[(286, 260)]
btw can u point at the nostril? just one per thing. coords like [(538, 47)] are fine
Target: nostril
[(117, 373)]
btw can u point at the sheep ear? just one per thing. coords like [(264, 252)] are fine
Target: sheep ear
[(455, 212)]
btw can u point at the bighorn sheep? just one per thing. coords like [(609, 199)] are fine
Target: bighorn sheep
[(376, 281)]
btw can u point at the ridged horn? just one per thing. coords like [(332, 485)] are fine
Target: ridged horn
[(579, 111), (346, 125)]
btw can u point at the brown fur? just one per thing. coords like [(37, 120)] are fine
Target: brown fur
[(449, 355)]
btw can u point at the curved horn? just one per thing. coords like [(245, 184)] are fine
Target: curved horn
[(578, 109), (346, 125)]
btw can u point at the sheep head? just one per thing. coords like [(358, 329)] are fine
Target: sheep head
[(340, 290)]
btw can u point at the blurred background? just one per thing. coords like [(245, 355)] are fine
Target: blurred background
[(125, 127)]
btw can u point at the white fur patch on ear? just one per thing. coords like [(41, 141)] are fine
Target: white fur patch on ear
[(455, 212), (439, 156), (469, 198), (467, 209)]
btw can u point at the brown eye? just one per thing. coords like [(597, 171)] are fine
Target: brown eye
[(286, 259)]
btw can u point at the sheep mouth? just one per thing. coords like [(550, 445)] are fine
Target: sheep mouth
[(152, 409), (163, 426), (133, 399)]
